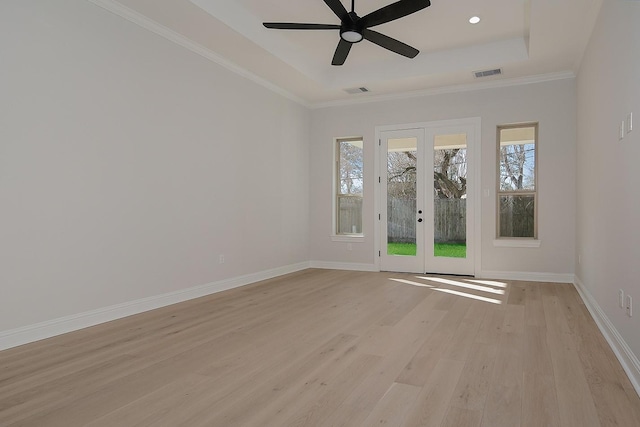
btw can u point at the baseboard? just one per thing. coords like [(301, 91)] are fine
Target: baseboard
[(628, 360), (526, 276), (51, 328), (504, 275), (330, 265)]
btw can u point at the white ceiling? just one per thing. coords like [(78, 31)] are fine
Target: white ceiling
[(529, 40)]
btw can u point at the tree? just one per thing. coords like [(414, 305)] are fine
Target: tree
[(350, 168), (517, 167), (401, 174), (450, 173)]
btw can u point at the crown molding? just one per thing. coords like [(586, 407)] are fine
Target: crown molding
[(150, 25), (519, 81)]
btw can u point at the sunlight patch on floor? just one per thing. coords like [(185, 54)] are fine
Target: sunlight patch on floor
[(491, 287), (465, 285), (466, 295), (409, 282), (489, 283)]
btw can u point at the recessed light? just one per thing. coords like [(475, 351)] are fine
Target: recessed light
[(474, 20)]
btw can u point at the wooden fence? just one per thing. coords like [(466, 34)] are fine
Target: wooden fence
[(517, 213), (449, 220), (350, 212)]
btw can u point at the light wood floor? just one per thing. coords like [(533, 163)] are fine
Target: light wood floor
[(331, 348)]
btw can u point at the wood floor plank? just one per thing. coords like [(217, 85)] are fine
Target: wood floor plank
[(315, 406), (576, 405), (332, 348), (491, 326), (472, 389), (459, 417), (534, 312), (275, 387), (355, 408), (539, 401), (420, 367), (463, 339), (537, 358), (431, 405), (155, 408), (503, 407), (517, 293), (392, 409), (504, 399)]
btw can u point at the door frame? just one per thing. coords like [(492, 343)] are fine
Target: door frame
[(475, 156)]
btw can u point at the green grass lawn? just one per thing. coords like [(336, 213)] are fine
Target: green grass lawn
[(401, 249), (450, 250)]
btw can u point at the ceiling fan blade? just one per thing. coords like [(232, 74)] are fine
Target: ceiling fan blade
[(341, 53), (338, 9), (296, 26), (390, 44), (394, 11)]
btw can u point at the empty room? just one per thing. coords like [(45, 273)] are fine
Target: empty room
[(319, 213)]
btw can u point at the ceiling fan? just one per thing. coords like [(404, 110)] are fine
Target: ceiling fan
[(354, 28)]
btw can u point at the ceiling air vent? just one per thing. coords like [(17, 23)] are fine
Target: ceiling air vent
[(355, 90), (487, 73)]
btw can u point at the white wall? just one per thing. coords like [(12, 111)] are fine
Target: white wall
[(128, 164), (608, 182), (552, 104)]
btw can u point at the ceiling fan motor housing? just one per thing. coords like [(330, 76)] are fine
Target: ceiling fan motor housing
[(351, 29)]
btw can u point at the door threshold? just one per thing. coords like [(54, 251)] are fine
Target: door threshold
[(451, 274)]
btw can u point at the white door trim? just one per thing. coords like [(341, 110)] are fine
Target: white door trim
[(474, 150)]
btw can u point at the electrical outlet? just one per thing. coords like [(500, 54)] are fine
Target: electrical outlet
[(221, 259), (629, 306), (621, 298)]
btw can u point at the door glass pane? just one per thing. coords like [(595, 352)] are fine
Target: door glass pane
[(401, 196), (450, 195)]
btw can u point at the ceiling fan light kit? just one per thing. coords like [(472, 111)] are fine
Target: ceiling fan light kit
[(353, 28), (351, 36)]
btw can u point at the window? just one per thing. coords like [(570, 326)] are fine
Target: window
[(348, 202), (517, 181)]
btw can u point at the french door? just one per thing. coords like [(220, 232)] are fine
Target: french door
[(426, 196)]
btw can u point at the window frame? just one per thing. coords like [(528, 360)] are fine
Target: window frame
[(506, 241), (336, 235)]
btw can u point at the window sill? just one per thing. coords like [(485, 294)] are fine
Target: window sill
[(356, 238), (516, 243)]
